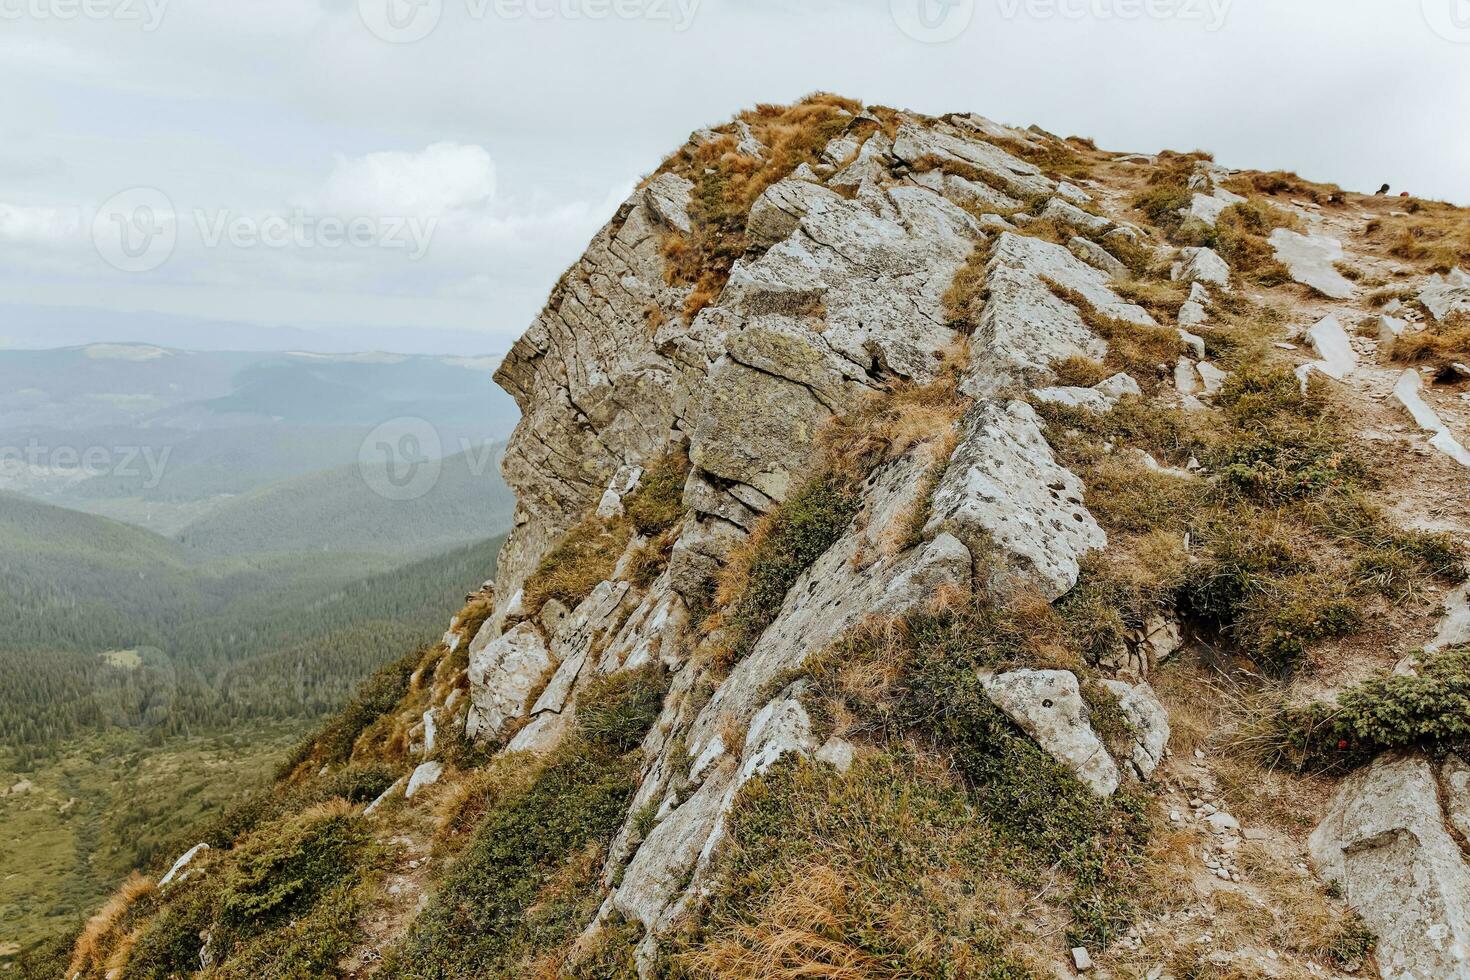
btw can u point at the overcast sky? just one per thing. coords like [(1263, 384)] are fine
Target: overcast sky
[(189, 161)]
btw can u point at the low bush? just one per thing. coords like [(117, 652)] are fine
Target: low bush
[(489, 917), (615, 711), (1428, 709)]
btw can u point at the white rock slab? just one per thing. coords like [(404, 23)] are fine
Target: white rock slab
[(1211, 377), (427, 774), (1453, 629), (182, 863), (1447, 294), (1048, 706), (1311, 259), (505, 676), (1003, 480), (1330, 341), (1201, 265), (1101, 397), (1409, 392), (1385, 844)]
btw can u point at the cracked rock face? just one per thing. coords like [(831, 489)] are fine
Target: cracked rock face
[(1003, 481), (1386, 842), (840, 294), (1048, 706)]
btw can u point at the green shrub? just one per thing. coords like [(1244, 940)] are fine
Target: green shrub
[(1278, 444), (1426, 710), (168, 944), (801, 530), (477, 924), (616, 710), (278, 873), (658, 503)]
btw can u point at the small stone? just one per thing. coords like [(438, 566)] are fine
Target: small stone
[(1081, 959), (1222, 874)]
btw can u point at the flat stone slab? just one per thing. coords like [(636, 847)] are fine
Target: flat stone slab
[(1311, 260)]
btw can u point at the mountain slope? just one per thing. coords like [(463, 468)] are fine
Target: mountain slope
[(936, 553), (338, 510)]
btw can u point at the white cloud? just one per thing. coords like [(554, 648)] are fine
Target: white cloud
[(440, 178), (39, 225)]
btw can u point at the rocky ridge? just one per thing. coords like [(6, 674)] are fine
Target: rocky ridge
[(905, 328)]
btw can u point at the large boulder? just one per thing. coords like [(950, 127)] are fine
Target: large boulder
[(1048, 706), (1003, 482), (1386, 843), (506, 674), (1312, 261)]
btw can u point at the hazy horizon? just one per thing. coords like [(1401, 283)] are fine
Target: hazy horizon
[(421, 180)]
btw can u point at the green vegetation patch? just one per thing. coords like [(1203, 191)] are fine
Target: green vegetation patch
[(809, 522), (478, 925), (1428, 709), (882, 872), (1284, 548)]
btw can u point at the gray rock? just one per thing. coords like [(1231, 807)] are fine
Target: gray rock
[(1048, 706), (427, 774), (1098, 257), (1390, 328), (1025, 327), (385, 796), (1073, 193), (1201, 265), (1074, 217), (1002, 480), (1384, 842), (1192, 314), (1453, 629), (1149, 721), (505, 676), (1018, 178), (1409, 394), (667, 199), (1332, 345), (1101, 397), (1445, 295), (1211, 377), (1311, 259)]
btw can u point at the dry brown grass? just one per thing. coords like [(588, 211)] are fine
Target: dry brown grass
[(104, 936), (1435, 236), (1439, 344), (797, 936), (458, 811), (728, 182), (1136, 348)]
